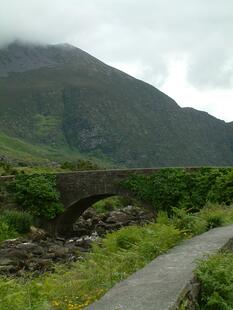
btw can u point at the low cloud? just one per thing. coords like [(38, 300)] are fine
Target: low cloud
[(145, 36)]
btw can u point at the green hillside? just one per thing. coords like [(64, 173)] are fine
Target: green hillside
[(59, 101), (18, 151)]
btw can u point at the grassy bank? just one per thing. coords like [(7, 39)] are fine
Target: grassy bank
[(117, 256)]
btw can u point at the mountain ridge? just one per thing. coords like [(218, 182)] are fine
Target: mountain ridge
[(78, 102)]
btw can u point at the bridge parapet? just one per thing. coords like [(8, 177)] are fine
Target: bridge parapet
[(78, 185)]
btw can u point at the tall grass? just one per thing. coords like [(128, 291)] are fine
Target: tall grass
[(7, 232), (17, 220), (13, 223)]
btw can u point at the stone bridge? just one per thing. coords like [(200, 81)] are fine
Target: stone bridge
[(79, 190)]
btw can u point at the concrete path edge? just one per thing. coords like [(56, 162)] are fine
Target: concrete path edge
[(163, 283)]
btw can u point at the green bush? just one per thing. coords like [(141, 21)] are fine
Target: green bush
[(178, 188), (6, 232), (124, 239), (189, 223), (222, 190), (164, 190), (216, 215), (37, 194), (216, 277), (215, 220), (17, 220)]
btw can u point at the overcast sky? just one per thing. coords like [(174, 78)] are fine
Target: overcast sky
[(182, 47)]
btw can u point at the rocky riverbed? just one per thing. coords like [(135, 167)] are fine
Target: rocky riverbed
[(37, 252), (91, 221)]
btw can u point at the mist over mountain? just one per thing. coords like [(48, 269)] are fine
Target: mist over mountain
[(60, 97)]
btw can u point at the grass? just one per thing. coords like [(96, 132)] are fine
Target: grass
[(120, 254), (7, 232), (13, 223), (216, 215), (117, 256), (42, 155), (18, 221), (16, 148)]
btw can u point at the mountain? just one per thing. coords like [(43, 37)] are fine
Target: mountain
[(61, 98)]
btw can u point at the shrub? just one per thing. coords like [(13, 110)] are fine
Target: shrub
[(222, 190), (37, 194), (20, 221), (215, 220), (164, 190), (178, 188), (189, 223), (216, 277), (123, 239), (216, 215)]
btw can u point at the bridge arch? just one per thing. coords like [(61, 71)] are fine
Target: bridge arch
[(63, 225)]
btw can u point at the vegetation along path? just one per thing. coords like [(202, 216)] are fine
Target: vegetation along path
[(162, 284)]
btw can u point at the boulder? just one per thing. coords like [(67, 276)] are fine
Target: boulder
[(119, 217)]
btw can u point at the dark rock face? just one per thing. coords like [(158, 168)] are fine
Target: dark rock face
[(60, 96)]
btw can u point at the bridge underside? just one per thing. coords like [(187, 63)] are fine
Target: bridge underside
[(62, 226), (64, 223)]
